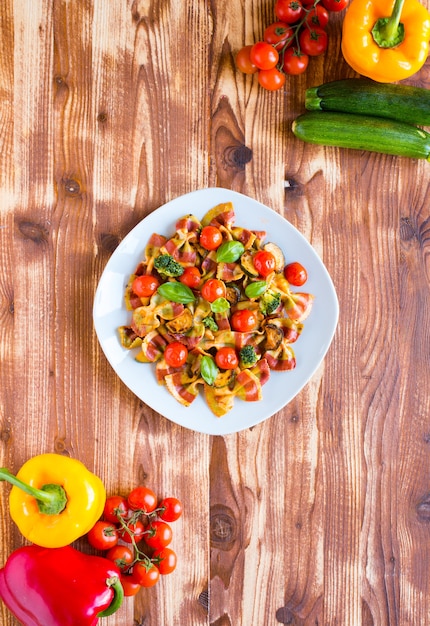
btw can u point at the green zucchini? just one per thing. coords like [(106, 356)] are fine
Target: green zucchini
[(365, 97), (363, 132)]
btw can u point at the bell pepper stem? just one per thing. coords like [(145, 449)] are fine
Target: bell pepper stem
[(118, 597), (51, 499), (388, 32)]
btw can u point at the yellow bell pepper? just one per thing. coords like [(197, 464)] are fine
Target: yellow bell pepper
[(54, 499), (386, 40)]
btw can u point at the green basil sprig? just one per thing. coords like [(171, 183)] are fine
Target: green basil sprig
[(176, 292), (256, 289), (208, 370), (229, 252), (220, 305)]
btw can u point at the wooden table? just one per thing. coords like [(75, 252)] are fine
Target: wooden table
[(319, 515)]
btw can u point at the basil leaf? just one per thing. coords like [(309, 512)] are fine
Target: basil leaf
[(208, 370), (256, 289), (176, 292), (220, 305), (229, 251)]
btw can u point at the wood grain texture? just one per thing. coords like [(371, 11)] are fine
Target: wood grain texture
[(320, 515)]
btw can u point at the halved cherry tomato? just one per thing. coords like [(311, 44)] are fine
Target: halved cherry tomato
[(296, 274), (165, 560), (243, 62), (142, 499), (313, 41), (334, 5), (272, 79), (226, 358), (289, 11), (263, 55), (121, 555), (295, 62), (103, 535), (210, 238), (318, 16), (129, 585), (145, 285), (213, 289), (145, 574), (115, 505), (277, 34), (158, 535), (175, 354), (264, 262), (190, 277), (172, 509), (244, 321)]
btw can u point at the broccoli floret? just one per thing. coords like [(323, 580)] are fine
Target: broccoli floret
[(210, 323), (166, 265), (269, 301), (248, 356)]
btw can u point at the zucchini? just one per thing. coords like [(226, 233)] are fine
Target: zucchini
[(278, 255), (360, 132), (365, 97)]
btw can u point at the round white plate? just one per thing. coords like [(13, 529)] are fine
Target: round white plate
[(109, 313)]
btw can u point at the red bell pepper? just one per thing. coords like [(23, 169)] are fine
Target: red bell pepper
[(59, 586)]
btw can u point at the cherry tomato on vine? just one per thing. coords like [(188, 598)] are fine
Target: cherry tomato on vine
[(295, 62), (313, 41), (175, 354), (334, 5), (172, 509), (210, 238), (296, 274), (145, 285), (226, 358), (213, 289), (289, 11), (272, 79), (263, 55), (277, 34), (264, 262), (121, 555), (166, 560), (103, 535), (244, 321), (145, 574), (243, 61), (113, 506), (142, 499), (129, 585), (191, 277), (158, 535), (318, 16), (136, 531)]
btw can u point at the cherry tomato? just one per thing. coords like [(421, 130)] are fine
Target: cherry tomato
[(103, 535), (210, 237), (334, 5), (115, 505), (295, 62), (135, 529), (172, 509), (244, 321), (296, 274), (313, 41), (122, 556), (272, 79), (129, 585), (158, 535), (166, 560), (277, 34), (191, 277), (318, 16), (244, 63), (213, 289), (263, 55), (226, 358), (264, 262), (145, 285), (175, 354), (145, 574), (142, 499), (289, 11)]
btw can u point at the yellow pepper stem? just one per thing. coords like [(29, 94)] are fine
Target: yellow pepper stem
[(389, 32), (51, 499)]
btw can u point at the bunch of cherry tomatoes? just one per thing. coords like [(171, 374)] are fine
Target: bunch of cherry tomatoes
[(298, 34), (135, 533)]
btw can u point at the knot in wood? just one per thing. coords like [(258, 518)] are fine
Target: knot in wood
[(102, 117), (285, 616), (30, 230), (223, 528), (423, 509), (72, 187), (237, 156), (109, 242)]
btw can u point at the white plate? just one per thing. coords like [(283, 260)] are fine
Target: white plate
[(109, 313)]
